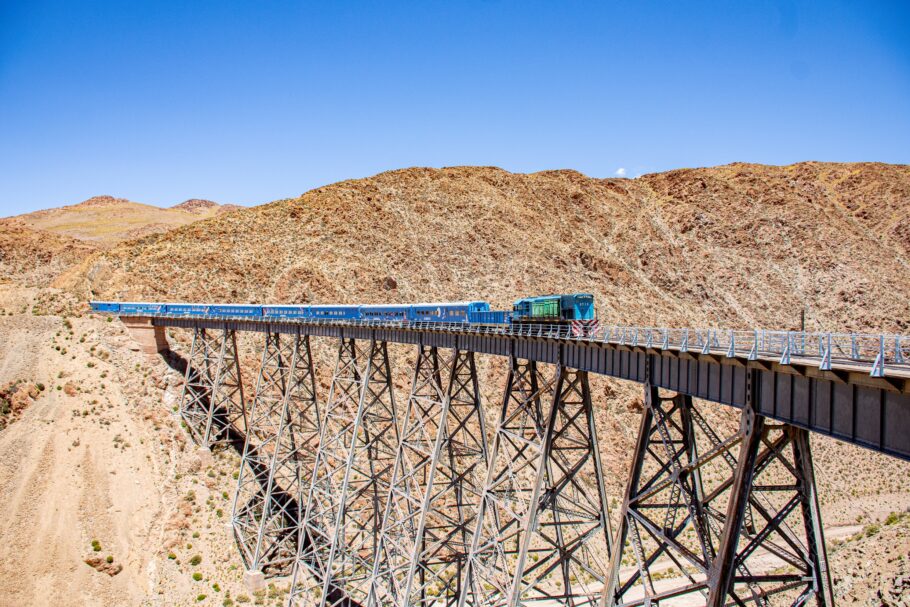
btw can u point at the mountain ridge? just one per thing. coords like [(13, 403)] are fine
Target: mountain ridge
[(106, 220), (740, 244)]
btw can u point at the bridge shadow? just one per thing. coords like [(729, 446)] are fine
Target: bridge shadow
[(284, 501)]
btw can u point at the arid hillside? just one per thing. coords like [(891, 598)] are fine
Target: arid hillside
[(34, 257), (106, 220), (110, 504), (739, 245)]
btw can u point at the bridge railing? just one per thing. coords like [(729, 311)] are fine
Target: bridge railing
[(824, 348), (821, 349)]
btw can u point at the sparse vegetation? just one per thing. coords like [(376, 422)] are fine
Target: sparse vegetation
[(604, 265)]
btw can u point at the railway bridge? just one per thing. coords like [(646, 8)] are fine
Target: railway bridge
[(364, 498)]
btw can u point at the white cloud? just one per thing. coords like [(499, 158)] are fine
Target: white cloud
[(620, 172)]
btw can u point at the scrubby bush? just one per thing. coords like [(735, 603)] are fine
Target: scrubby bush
[(892, 518), (197, 576)]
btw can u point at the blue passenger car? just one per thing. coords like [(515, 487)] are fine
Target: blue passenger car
[(141, 308), (446, 312), (105, 306), (236, 310), (188, 309), (287, 312), (339, 312), (384, 312)]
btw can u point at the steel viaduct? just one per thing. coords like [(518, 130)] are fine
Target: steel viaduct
[(367, 501)]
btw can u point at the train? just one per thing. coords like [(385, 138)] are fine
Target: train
[(574, 308)]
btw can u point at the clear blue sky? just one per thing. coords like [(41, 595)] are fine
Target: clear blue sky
[(247, 102)]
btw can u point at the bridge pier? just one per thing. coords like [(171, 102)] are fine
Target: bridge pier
[(278, 453), (699, 507), (350, 483), (435, 489), (148, 337), (542, 534), (212, 404)]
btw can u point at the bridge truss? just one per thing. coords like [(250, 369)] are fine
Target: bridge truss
[(451, 501)]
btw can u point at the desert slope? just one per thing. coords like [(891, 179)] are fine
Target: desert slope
[(105, 220), (100, 455), (737, 246), (34, 257)]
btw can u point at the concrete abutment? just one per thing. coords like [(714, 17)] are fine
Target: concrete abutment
[(149, 338)]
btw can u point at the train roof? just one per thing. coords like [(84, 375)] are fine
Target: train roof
[(127, 303), (405, 305), (429, 304), (554, 295), (450, 303)]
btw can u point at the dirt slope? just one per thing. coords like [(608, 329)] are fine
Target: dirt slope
[(739, 245), (106, 220), (100, 457), (34, 257)]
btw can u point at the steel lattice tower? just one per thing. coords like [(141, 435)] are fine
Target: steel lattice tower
[(212, 405), (278, 456), (436, 487), (710, 530), (350, 485), (543, 534)]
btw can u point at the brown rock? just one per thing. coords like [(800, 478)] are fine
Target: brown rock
[(101, 565), (20, 399)]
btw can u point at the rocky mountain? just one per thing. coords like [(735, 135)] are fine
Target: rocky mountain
[(200, 206), (739, 245), (196, 205), (105, 220)]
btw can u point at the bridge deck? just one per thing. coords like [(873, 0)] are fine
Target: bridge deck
[(863, 400)]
